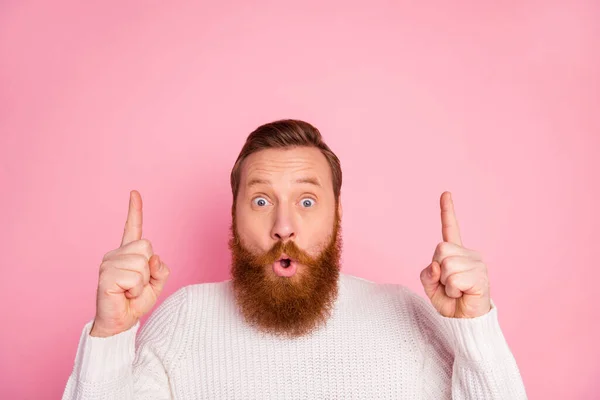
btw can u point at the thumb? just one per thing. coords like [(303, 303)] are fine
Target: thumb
[(159, 272), (430, 278)]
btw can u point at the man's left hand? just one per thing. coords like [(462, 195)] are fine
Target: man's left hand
[(456, 281)]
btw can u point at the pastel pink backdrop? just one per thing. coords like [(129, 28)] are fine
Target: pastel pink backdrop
[(497, 103)]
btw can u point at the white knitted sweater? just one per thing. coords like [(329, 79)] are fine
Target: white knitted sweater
[(381, 342)]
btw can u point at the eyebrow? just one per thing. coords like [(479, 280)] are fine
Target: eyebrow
[(310, 180)]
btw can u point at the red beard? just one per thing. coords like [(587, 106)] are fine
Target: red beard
[(288, 307)]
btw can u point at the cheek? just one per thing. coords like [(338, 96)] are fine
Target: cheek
[(317, 235), (253, 232)]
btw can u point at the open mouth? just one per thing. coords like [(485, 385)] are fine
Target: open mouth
[(285, 262), (285, 266)]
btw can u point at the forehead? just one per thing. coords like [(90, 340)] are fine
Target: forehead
[(286, 163)]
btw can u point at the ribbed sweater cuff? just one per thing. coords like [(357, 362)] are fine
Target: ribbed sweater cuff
[(479, 338), (105, 359)]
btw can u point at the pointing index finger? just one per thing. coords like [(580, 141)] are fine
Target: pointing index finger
[(133, 225), (450, 230)]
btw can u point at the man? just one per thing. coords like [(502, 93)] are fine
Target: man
[(289, 324)]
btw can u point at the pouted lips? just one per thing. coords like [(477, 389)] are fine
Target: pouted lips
[(285, 266)]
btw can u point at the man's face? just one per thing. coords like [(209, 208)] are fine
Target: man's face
[(286, 241)]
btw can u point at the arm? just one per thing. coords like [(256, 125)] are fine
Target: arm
[(466, 358), (484, 367), (461, 323), (129, 365)]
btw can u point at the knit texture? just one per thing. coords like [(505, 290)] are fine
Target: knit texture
[(382, 342)]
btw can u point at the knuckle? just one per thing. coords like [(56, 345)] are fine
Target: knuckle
[(451, 281), (107, 255), (104, 277), (114, 253), (438, 248), (448, 263), (444, 263), (139, 261), (146, 245), (443, 248), (146, 276), (104, 266)]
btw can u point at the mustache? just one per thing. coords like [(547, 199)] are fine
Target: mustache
[(289, 248)]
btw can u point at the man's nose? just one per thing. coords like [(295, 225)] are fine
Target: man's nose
[(283, 228)]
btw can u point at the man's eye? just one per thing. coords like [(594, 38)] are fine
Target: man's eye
[(307, 202), (260, 201)]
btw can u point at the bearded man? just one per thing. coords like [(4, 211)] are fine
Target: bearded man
[(289, 324)]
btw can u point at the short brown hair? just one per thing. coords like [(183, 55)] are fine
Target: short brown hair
[(286, 133)]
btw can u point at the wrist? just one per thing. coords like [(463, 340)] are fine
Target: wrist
[(99, 330), (105, 359)]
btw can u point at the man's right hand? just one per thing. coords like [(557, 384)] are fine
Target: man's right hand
[(131, 278)]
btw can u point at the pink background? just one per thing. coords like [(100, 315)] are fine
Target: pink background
[(496, 103)]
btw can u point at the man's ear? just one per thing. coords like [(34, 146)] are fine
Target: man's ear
[(340, 209)]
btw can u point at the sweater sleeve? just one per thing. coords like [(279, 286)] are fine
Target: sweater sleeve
[(130, 365), (465, 358)]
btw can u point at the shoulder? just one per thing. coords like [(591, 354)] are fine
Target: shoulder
[(165, 318), (412, 309), (179, 303), (169, 327), (172, 311), (397, 292), (353, 284), (200, 292), (191, 302)]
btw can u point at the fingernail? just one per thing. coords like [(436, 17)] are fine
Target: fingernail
[(430, 271)]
